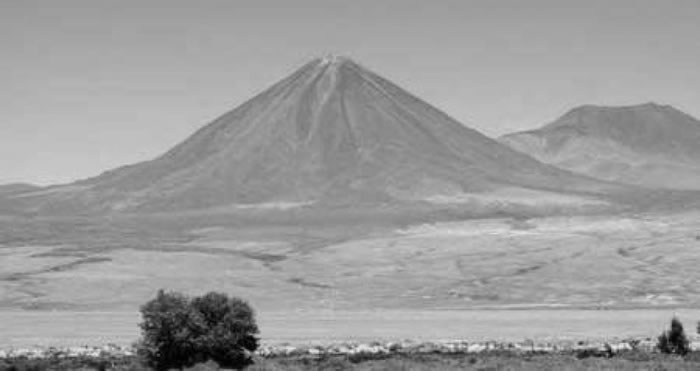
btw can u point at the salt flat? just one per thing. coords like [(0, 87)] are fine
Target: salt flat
[(67, 328)]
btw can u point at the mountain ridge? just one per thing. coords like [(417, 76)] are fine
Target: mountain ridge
[(649, 145)]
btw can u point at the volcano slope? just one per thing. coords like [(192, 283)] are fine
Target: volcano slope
[(332, 133), (15, 188), (646, 145)]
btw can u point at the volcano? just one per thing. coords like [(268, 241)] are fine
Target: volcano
[(650, 145), (331, 133)]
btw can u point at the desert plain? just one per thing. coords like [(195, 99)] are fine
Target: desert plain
[(598, 276)]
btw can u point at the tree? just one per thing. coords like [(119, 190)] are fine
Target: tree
[(231, 329), (179, 331), (168, 328), (674, 340)]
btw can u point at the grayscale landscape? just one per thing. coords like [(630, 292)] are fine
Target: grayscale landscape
[(345, 208), (335, 191)]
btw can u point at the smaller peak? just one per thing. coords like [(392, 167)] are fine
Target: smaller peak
[(587, 108), (650, 105)]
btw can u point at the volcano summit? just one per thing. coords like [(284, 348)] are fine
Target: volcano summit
[(332, 132)]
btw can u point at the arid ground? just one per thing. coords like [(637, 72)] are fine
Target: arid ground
[(82, 281)]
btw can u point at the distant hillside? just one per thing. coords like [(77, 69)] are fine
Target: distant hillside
[(649, 145)]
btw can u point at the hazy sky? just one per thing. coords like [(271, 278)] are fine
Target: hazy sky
[(87, 85)]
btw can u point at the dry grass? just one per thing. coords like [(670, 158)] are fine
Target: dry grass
[(481, 362), (503, 362)]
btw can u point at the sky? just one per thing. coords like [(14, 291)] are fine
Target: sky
[(89, 85)]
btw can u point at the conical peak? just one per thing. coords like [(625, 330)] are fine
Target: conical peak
[(332, 63), (334, 59), (331, 131), (333, 72)]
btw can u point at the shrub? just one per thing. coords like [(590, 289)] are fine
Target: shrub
[(674, 340), (589, 353), (230, 326), (180, 332)]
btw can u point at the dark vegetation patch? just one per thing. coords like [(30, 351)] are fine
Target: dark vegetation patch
[(623, 361), (48, 305), (530, 269), (303, 282), (521, 224), (623, 252), (484, 296), (72, 363), (264, 257), (75, 264), (14, 277)]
